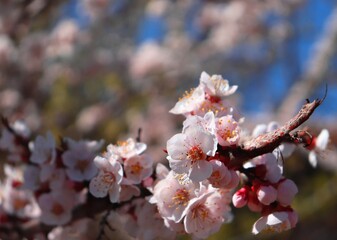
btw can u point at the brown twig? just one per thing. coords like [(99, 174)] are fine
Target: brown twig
[(268, 142)]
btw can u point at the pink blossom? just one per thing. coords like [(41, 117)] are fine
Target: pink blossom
[(228, 131), (275, 222), (188, 152), (215, 85), (79, 159), (221, 176), (43, 149), (126, 149), (56, 206), (108, 179), (286, 191), (206, 213), (172, 197), (138, 168)]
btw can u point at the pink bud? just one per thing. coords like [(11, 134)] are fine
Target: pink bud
[(239, 199), (286, 191), (266, 194)]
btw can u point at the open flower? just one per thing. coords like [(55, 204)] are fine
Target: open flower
[(206, 213), (216, 86), (108, 179), (79, 159), (126, 149), (188, 152), (56, 206), (228, 131), (172, 197), (276, 222), (138, 168)]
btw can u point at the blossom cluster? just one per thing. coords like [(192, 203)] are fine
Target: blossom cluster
[(52, 180)]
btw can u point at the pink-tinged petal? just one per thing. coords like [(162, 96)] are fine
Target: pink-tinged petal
[(101, 162), (179, 166), (189, 102), (322, 139), (266, 194), (98, 187), (286, 191), (114, 193), (197, 137), (176, 146), (200, 171), (259, 225)]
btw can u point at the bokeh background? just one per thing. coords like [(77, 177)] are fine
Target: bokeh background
[(102, 69)]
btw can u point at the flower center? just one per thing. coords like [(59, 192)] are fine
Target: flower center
[(181, 197), (195, 153), (187, 95), (136, 168), (109, 177), (200, 212), (19, 203), (57, 209), (82, 165)]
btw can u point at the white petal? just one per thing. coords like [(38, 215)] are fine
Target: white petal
[(98, 188), (259, 225), (200, 171), (322, 139), (313, 159)]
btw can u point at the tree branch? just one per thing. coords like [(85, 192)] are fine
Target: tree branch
[(266, 143)]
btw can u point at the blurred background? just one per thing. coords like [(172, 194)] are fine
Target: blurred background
[(102, 69)]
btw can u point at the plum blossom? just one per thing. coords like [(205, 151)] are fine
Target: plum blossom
[(189, 102), (188, 152), (78, 159), (207, 122), (31, 177), (221, 175), (109, 178), (206, 213), (126, 149), (216, 86), (228, 131), (318, 145), (172, 197), (56, 206), (276, 222), (138, 168), (43, 149)]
